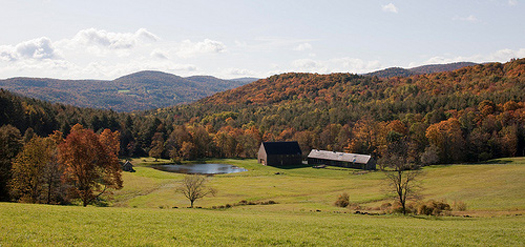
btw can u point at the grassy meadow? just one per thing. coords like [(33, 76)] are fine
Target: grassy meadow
[(486, 188), (42, 225), (143, 213)]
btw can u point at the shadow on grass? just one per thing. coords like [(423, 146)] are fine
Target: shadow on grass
[(292, 166), (495, 162), (437, 218)]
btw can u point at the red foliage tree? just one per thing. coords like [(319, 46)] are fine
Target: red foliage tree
[(91, 163)]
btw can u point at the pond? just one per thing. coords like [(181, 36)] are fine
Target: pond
[(206, 169)]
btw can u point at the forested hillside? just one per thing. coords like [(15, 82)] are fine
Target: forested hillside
[(138, 91), (425, 69), (471, 114)]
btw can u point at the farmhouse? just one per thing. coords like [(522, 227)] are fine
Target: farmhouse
[(280, 154), (350, 160), (127, 167)]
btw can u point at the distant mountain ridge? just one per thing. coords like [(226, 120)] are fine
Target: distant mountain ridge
[(145, 90), (425, 69), (138, 91)]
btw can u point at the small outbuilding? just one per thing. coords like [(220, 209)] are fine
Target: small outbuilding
[(127, 167), (280, 154), (350, 160)]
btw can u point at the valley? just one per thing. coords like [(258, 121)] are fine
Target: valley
[(148, 211)]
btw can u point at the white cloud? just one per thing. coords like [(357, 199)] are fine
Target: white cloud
[(38, 49), (303, 47), (502, 55), (91, 70), (306, 64), (389, 8), (513, 2), (112, 40), (157, 53), (236, 73), (100, 54), (345, 64), (470, 18), (188, 49), (37, 68)]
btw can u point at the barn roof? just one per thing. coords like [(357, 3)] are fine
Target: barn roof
[(339, 156), (282, 148)]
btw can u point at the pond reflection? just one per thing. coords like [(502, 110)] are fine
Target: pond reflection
[(207, 169)]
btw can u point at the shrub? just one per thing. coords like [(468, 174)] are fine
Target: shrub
[(484, 156), (242, 202), (396, 208), (343, 200), (385, 206), (432, 207), (459, 206)]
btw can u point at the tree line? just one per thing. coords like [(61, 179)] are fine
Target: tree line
[(58, 170)]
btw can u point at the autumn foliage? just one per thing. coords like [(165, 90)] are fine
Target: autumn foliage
[(91, 162), (37, 173), (471, 114)]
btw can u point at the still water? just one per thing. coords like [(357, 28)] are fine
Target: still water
[(207, 169)]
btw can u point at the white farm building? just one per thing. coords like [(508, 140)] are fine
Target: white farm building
[(350, 160)]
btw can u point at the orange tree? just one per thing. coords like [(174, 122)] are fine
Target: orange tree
[(91, 163)]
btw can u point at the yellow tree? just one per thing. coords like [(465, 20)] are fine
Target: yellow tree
[(157, 146), (91, 163), (448, 137), (365, 139), (25, 184), (37, 173)]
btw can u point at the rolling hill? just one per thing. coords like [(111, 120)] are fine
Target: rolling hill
[(138, 91), (355, 113), (425, 69), (485, 103)]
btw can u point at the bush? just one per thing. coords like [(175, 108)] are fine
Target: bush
[(432, 207), (245, 203), (385, 206), (484, 156), (343, 200), (396, 208), (459, 206)]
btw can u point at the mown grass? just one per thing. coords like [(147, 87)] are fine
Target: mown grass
[(42, 225), (143, 213), (495, 186), (483, 187)]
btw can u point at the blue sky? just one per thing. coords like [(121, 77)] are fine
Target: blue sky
[(230, 39)]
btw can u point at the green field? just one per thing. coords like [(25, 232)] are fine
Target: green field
[(52, 225), (486, 188), (143, 213)]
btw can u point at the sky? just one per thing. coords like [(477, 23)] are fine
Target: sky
[(107, 39)]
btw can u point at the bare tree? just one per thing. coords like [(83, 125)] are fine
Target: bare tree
[(195, 187), (402, 171)]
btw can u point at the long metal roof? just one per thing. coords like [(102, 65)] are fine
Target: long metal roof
[(339, 156)]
